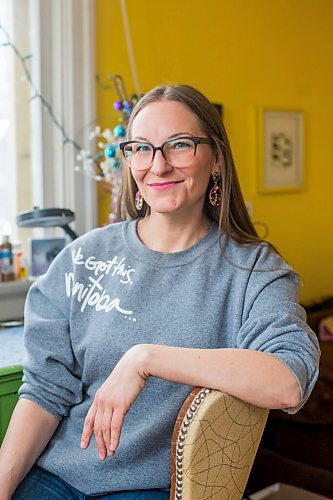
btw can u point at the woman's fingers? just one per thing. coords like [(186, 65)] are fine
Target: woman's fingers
[(112, 401), (106, 429), (106, 424), (99, 427), (116, 426), (88, 427)]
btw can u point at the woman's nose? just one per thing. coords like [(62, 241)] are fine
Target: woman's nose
[(160, 164)]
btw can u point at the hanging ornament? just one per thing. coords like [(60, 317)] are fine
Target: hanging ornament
[(109, 151), (106, 165), (119, 131), (118, 105)]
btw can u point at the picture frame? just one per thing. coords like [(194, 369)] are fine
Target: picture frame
[(42, 253), (280, 147)]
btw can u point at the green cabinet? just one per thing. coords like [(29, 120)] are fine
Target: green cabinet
[(10, 381), (11, 359)]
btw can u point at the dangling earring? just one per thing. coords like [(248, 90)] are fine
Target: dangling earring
[(138, 201), (215, 192)]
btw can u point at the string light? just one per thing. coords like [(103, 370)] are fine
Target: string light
[(36, 94), (107, 161)]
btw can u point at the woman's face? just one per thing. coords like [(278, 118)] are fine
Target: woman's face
[(168, 189)]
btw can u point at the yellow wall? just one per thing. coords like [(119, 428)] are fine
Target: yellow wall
[(244, 54)]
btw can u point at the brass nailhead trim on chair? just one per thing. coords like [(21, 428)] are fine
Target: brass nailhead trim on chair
[(182, 438)]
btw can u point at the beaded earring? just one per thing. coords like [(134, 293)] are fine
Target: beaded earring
[(215, 192), (138, 201)]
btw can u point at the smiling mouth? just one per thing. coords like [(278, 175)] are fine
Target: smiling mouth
[(160, 186)]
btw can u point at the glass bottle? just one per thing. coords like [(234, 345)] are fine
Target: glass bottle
[(7, 261)]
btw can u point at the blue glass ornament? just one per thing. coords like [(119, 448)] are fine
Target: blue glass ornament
[(127, 105), (116, 165), (109, 151), (119, 131)]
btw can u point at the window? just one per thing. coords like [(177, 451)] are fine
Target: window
[(15, 165), (5, 122), (37, 168)]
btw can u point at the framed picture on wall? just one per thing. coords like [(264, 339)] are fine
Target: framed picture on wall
[(280, 147)]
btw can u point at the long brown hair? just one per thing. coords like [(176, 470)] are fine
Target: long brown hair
[(232, 216)]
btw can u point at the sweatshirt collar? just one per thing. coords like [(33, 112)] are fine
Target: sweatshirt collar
[(172, 259)]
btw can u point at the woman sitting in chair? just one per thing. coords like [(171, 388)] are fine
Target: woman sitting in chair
[(131, 316)]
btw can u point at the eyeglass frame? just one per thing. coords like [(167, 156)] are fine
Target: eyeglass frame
[(196, 140)]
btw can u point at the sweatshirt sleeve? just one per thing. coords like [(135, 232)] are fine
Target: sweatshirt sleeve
[(274, 322), (51, 373)]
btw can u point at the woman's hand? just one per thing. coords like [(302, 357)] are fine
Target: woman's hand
[(112, 401)]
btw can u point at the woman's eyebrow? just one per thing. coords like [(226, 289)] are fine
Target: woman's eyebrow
[(177, 134), (139, 138)]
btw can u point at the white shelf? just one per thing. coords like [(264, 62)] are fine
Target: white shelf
[(12, 299), (14, 287)]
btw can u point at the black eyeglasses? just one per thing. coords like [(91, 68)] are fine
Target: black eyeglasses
[(179, 152)]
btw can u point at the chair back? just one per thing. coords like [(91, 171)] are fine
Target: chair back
[(214, 443)]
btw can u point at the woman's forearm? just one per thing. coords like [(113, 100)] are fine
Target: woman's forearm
[(29, 431), (256, 377)]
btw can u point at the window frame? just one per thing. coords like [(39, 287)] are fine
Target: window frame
[(62, 32)]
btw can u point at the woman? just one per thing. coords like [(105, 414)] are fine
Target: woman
[(131, 316)]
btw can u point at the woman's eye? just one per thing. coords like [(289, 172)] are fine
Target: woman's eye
[(141, 148), (180, 144)]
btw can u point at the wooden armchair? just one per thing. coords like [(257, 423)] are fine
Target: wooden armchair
[(214, 443)]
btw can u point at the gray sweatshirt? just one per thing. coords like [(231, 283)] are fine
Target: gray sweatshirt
[(106, 292)]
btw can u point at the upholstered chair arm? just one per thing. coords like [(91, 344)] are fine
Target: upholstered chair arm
[(214, 443)]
